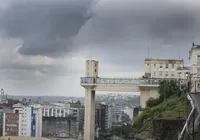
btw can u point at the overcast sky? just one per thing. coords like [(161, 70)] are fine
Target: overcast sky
[(44, 43)]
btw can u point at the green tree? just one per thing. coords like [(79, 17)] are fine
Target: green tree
[(168, 88)]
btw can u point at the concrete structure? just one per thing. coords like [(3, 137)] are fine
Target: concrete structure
[(116, 113), (30, 123), (91, 82), (110, 117), (162, 68), (1, 121), (183, 72), (101, 117), (26, 120), (148, 87), (194, 56), (11, 123), (62, 119)]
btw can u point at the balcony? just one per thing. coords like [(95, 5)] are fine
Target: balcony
[(129, 81)]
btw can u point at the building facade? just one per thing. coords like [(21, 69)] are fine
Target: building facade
[(116, 113), (27, 119), (162, 68), (11, 125), (101, 116), (194, 56)]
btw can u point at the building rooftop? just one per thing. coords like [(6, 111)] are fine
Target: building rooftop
[(22, 138), (157, 59)]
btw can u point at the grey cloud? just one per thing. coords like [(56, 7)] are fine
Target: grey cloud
[(46, 27), (123, 33), (55, 28)]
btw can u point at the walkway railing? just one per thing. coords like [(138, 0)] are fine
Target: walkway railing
[(132, 81), (185, 130)]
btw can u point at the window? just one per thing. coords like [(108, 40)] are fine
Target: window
[(160, 65), (172, 74), (160, 73), (166, 74), (167, 66), (154, 65), (198, 58)]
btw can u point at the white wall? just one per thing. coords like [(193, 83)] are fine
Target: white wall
[(146, 94), (25, 113), (152, 66), (4, 120)]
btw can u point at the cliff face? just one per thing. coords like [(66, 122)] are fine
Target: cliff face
[(167, 129), (163, 121)]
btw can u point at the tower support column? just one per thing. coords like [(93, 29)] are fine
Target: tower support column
[(89, 120)]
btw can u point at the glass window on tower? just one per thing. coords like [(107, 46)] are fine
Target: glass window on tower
[(160, 65)]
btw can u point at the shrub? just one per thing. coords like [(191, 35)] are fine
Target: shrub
[(153, 102)]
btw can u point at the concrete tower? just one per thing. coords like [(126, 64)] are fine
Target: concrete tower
[(91, 71)]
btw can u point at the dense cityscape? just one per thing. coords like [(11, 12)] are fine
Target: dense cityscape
[(99, 70), (115, 115), (63, 119)]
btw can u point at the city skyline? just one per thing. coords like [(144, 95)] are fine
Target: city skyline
[(115, 33)]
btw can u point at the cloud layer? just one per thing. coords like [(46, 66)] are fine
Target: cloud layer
[(47, 39)]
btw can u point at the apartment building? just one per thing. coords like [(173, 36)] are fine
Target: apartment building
[(162, 68), (11, 123), (194, 56), (101, 116), (26, 120)]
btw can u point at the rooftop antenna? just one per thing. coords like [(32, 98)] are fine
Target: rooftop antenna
[(179, 53)]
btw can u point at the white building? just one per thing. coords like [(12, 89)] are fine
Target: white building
[(194, 56), (30, 120), (116, 113), (183, 72), (162, 68)]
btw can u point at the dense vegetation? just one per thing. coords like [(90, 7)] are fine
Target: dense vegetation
[(171, 104)]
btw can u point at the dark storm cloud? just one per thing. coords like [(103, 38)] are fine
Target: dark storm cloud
[(45, 26), (143, 20), (127, 29), (48, 27)]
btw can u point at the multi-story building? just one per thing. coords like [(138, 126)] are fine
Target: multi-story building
[(29, 122), (116, 113), (162, 68), (110, 117), (1, 121), (194, 56), (11, 125), (101, 116), (62, 117), (183, 72)]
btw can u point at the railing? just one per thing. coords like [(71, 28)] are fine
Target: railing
[(184, 131), (132, 81)]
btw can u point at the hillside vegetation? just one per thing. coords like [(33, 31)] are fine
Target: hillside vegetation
[(172, 105)]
